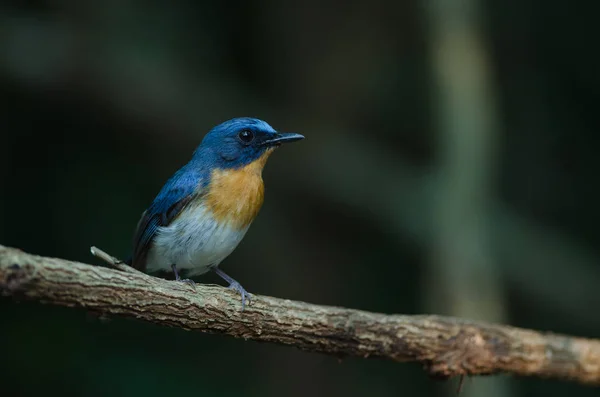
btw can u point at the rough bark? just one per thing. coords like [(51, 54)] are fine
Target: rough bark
[(445, 346)]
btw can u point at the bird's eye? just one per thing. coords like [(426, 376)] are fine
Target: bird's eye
[(246, 136)]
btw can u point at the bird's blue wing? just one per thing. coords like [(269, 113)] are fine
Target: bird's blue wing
[(174, 196)]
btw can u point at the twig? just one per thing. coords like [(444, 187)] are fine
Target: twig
[(111, 260), (445, 346), (460, 384)]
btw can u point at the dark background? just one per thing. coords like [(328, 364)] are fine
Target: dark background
[(450, 166)]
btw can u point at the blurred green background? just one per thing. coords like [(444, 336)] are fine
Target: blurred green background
[(450, 166)]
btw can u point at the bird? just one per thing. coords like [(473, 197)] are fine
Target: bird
[(204, 209)]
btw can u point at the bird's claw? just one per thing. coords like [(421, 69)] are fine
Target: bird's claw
[(187, 281), (246, 296), (182, 280)]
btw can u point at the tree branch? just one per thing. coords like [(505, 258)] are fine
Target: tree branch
[(445, 346)]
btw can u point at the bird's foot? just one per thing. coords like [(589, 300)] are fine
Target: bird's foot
[(188, 281), (246, 296), (182, 280), (234, 285)]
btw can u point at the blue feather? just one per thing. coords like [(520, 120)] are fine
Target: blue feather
[(177, 192)]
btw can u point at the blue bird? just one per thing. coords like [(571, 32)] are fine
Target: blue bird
[(204, 210)]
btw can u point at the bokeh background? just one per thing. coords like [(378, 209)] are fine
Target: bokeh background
[(450, 166)]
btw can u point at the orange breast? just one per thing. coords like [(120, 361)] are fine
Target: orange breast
[(235, 196)]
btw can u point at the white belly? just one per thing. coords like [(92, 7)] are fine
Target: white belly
[(194, 241)]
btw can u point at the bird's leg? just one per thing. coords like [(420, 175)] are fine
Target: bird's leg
[(182, 280), (234, 285)]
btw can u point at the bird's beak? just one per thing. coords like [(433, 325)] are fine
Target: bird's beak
[(282, 137)]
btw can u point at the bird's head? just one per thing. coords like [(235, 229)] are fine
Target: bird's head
[(242, 141)]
